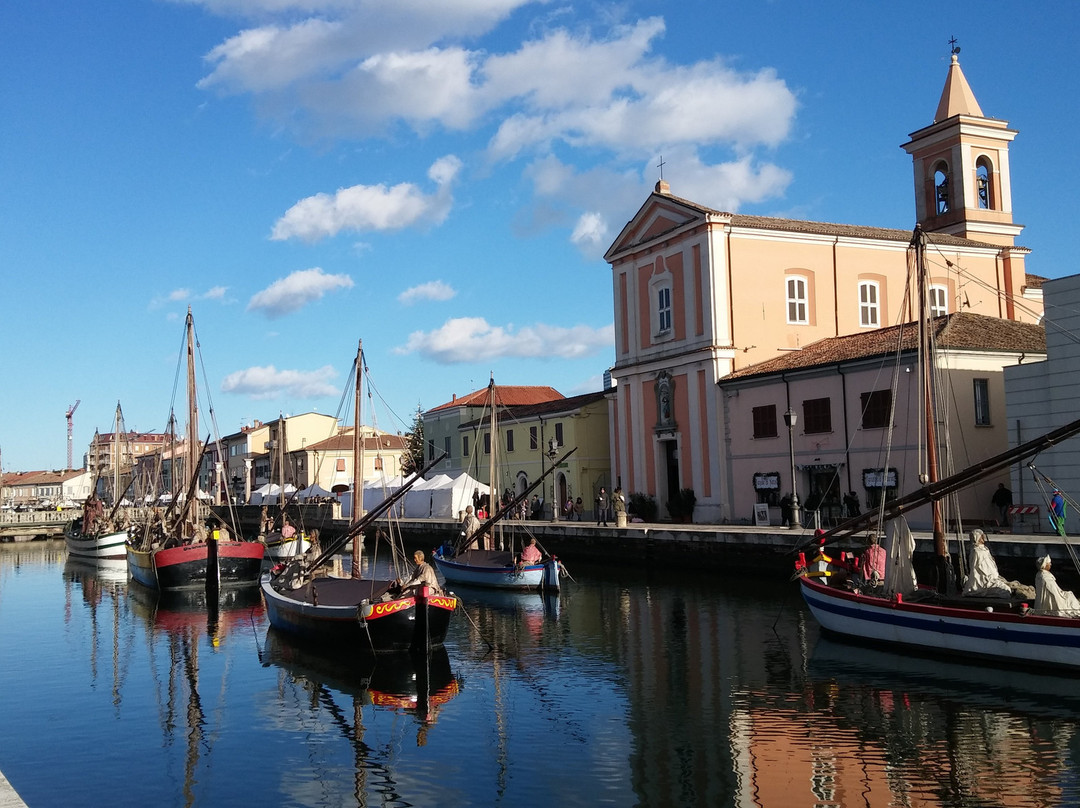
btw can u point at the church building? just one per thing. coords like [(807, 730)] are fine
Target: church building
[(700, 293)]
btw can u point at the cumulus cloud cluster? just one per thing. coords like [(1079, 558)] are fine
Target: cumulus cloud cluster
[(593, 90), (268, 382), (469, 339), (295, 291)]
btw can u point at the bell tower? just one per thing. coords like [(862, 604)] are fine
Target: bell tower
[(961, 163)]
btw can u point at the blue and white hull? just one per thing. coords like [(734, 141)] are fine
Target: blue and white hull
[(999, 633)]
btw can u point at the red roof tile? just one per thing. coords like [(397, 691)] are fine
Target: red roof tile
[(959, 331)]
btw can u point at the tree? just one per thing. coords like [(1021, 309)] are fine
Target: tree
[(413, 459)]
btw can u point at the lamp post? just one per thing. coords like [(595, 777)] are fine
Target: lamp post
[(790, 418), (553, 451)]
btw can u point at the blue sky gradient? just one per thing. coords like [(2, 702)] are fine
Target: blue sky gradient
[(439, 180)]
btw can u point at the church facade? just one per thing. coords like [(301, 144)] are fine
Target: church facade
[(700, 293)]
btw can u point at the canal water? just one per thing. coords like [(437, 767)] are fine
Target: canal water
[(633, 687)]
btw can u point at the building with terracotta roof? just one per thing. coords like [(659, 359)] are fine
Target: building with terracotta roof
[(860, 422), (443, 424), (701, 293)]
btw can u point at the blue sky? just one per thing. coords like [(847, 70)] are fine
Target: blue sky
[(440, 180)]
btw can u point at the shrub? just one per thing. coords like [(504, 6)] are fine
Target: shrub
[(643, 506)]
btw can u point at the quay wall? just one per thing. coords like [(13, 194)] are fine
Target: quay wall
[(769, 551)]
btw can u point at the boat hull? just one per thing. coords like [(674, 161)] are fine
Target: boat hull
[(998, 635), (190, 566), (279, 549), (341, 613), (501, 576), (98, 547)]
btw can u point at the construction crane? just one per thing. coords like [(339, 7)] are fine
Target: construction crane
[(71, 412)]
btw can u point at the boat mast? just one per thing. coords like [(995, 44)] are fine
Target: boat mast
[(117, 425), (497, 539), (926, 358), (193, 454), (358, 459)]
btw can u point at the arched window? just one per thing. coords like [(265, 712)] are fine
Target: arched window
[(984, 187), (868, 304), (797, 311), (941, 188), (939, 300), (662, 311)]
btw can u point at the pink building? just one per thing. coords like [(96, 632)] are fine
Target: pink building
[(859, 420), (700, 294)]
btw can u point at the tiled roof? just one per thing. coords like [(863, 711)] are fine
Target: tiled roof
[(39, 477), (830, 229), (505, 396), (959, 331), (561, 405), (1033, 281), (343, 441)]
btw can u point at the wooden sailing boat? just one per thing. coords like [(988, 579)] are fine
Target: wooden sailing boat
[(178, 551), (501, 566), (937, 619), (357, 614), (96, 535)]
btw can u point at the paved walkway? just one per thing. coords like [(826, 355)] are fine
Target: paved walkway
[(8, 797)]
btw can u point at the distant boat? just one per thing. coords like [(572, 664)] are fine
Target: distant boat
[(178, 551), (357, 614), (500, 567), (93, 535)]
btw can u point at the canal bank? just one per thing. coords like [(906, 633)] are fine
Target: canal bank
[(766, 550)]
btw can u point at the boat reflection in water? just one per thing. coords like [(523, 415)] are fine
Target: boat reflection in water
[(415, 683), (885, 724), (103, 586), (191, 679), (330, 703)]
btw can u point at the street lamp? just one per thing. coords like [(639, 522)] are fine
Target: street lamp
[(790, 418), (553, 451)]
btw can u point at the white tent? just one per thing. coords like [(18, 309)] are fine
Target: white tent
[(312, 491), (269, 492), (449, 501), (419, 501)]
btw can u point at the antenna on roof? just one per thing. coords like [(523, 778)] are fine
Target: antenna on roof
[(954, 46)]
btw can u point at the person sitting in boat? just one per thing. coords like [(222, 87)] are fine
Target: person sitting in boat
[(530, 553), (1051, 598), (469, 525), (872, 563), (422, 575), (984, 580), (287, 529)]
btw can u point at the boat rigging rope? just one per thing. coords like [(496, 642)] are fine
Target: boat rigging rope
[(1045, 486)]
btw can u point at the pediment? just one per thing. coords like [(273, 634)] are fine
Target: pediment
[(659, 216)]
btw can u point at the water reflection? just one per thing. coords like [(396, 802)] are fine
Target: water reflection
[(633, 687), (923, 727), (329, 694), (102, 586)]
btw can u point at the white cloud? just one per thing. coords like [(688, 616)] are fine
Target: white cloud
[(269, 382), (591, 232), (433, 290), (471, 339), (370, 207), (295, 291), (598, 95)]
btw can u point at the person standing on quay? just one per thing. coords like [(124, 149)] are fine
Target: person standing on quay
[(601, 507), (1002, 500)]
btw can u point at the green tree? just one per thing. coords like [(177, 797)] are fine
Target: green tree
[(413, 459)]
